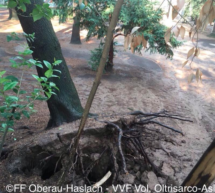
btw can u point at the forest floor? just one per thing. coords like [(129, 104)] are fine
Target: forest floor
[(149, 83)]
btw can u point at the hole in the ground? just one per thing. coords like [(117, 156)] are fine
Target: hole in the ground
[(100, 168), (50, 167)]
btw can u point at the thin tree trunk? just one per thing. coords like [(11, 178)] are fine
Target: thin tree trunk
[(95, 84), (100, 68), (75, 39), (10, 14), (66, 105), (213, 28), (109, 65)]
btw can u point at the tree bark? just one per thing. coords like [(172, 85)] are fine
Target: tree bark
[(65, 106), (75, 39), (12, 14), (213, 31), (109, 65)]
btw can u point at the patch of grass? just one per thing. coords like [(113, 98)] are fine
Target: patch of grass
[(3, 6), (212, 35)]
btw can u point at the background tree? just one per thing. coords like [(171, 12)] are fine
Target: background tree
[(97, 13), (64, 9), (193, 9), (65, 106)]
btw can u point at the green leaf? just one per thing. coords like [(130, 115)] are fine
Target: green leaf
[(4, 125), (12, 4), (57, 71), (39, 65), (2, 73), (82, 6), (3, 80), (10, 85), (32, 61), (36, 77), (12, 78), (26, 1), (57, 62), (2, 108), (49, 73), (17, 116), (15, 90), (48, 94), (40, 98), (26, 114), (10, 130), (48, 65), (23, 7), (22, 92), (26, 52), (52, 84), (37, 14), (9, 38), (11, 99)]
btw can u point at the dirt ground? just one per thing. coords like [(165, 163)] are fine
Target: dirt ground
[(149, 83)]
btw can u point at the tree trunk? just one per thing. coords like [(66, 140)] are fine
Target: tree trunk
[(12, 14), (65, 106), (213, 28), (75, 39), (109, 65)]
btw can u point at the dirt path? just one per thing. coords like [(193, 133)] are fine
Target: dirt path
[(148, 83)]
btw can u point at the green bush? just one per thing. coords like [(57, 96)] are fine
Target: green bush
[(17, 102), (96, 55)]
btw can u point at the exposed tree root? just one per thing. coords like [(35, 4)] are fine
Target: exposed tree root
[(107, 145)]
